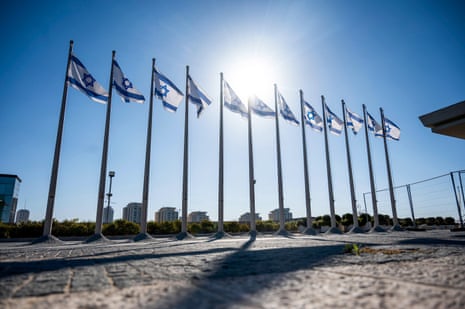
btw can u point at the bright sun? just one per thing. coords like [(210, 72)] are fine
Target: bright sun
[(251, 76)]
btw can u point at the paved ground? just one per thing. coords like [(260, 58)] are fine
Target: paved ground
[(394, 270)]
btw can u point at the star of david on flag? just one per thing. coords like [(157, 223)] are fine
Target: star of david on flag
[(197, 96), (232, 101), (391, 129), (374, 126), (335, 124), (354, 121), (79, 78), (286, 112), (312, 118), (124, 87), (260, 108), (166, 91)]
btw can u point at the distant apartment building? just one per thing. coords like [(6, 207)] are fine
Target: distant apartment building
[(133, 212), (9, 191), (274, 215), (22, 216), (245, 218), (166, 214), (197, 216), (108, 214)]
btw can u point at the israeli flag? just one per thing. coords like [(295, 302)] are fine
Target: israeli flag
[(354, 121), (312, 118), (80, 79), (260, 108), (374, 126), (197, 96), (391, 129), (232, 101), (335, 124), (124, 87), (286, 111), (166, 91)]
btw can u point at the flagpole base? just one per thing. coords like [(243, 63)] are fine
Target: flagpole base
[(333, 230), (184, 235), (282, 232), (219, 235), (143, 237), (309, 231), (355, 230), (377, 229), (396, 228), (97, 238), (48, 240), (253, 235)]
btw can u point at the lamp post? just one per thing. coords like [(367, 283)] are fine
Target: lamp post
[(111, 174)]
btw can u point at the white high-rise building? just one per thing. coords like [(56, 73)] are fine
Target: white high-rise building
[(274, 215), (22, 216), (108, 213), (166, 214), (245, 218), (133, 212)]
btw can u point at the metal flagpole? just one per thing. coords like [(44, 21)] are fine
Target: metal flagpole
[(355, 228), (457, 199), (103, 168), (333, 229), (410, 201), (220, 232), (47, 233), (376, 227), (185, 168), (282, 228), (309, 230), (145, 193), (253, 228), (395, 220)]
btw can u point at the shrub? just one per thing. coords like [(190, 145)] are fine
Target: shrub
[(449, 221), (194, 228), (207, 226), (292, 226), (121, 227)]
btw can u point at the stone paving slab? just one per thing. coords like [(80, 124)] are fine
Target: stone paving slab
[(402, 270)]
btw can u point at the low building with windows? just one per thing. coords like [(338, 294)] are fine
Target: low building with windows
[(197, 216), (22, 216), (108, 214), (245, 218), (166, 214), (133, 212), (9, 191), (274, 215)]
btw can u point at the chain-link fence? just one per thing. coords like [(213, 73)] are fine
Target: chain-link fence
[(440, 196)]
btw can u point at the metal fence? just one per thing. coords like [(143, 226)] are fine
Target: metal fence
[(440, 196)]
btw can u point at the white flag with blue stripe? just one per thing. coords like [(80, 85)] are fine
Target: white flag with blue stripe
[(197, 96), (391, 129), (232, 101), (335, 124), (124, 87), (374, 126), (166, 91), (312, 118), (80, 79), (260, 108), (286, 112), (354, 121)]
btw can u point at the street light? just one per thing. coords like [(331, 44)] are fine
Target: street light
[(111, 174)]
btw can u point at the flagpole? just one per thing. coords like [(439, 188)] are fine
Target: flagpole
[(333, 229), (282, 228), (145, 193), (185, 168), (103, 168), (47, 232), (253, 228), (376, 227), (395, 221), (220, 232), (309, 230), (355, 228)]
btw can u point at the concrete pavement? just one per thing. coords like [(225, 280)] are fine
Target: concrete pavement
[(394, 270)]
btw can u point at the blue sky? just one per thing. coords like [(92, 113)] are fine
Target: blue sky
[(404, 56)]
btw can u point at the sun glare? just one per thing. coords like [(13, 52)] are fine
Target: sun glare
[(253, 76)]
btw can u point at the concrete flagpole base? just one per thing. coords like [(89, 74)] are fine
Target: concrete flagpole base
[(219, 235), (253, 235), (309, 231), (377, 229), (143, 237), (282, 232), (333, 230), (355, 230), (97, 238), (396, 228), (184, 235), (47, 239)]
